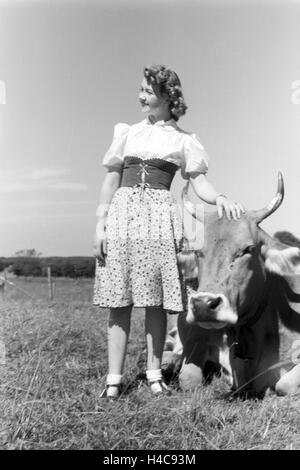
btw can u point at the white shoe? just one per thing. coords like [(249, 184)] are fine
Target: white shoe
[(111, 392), (158, 387)]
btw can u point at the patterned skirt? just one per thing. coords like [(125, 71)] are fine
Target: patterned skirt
[(144, 234)]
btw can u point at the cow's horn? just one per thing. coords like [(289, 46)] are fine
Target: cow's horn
[(190, 207), (262, 214)]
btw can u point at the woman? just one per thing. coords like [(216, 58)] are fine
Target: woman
[(139, 230)]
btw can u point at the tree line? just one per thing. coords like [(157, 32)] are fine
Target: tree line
[(31, 263), (73, 266)]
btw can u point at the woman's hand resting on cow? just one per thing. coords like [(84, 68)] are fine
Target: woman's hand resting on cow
[(205, 191), (231, 209)]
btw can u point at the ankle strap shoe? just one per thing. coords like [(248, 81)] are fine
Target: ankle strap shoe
[(111, 392), (158, 387)]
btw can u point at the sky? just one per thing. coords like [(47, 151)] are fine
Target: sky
[(71, 70)]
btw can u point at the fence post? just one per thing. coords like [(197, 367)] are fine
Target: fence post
[(2, 284), (50, 285)]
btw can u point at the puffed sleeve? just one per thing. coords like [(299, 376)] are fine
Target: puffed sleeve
[(194, 158), (113, 159)]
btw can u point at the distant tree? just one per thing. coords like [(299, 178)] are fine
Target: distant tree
[(28, 253), (68, 268), (288, 238), (27, 267), (3, 264), (71, 266)]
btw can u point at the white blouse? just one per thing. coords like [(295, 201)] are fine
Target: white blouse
[(163, 139)]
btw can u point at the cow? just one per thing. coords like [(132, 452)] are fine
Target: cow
[(244, 284)]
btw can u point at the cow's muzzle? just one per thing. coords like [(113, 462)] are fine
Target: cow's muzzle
[(210, 310)]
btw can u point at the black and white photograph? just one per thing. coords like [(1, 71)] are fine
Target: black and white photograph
[(150, 228)]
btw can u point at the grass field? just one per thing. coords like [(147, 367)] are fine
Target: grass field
[(55, 367)]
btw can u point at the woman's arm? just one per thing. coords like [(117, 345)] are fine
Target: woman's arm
[(110, 184), (205, 191), (203, 188)]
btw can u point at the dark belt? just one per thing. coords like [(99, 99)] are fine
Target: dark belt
[(152, 173)]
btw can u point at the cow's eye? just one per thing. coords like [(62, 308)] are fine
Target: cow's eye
[(248, 250)]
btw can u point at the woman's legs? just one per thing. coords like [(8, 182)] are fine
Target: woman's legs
[(118, 334), (156, 327)]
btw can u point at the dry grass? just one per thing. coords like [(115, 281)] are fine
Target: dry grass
[(55, 367)]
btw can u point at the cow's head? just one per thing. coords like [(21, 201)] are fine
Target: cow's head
[(234, 266)]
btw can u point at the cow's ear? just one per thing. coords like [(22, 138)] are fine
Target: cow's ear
[(284, 262), (187, 262), (281, 259), (286, 297)]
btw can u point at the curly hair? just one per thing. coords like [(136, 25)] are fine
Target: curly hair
[(169, 84)]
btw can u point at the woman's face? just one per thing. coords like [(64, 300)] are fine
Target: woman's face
[(151, 101)]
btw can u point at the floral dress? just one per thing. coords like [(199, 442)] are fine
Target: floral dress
[(144, 226)]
